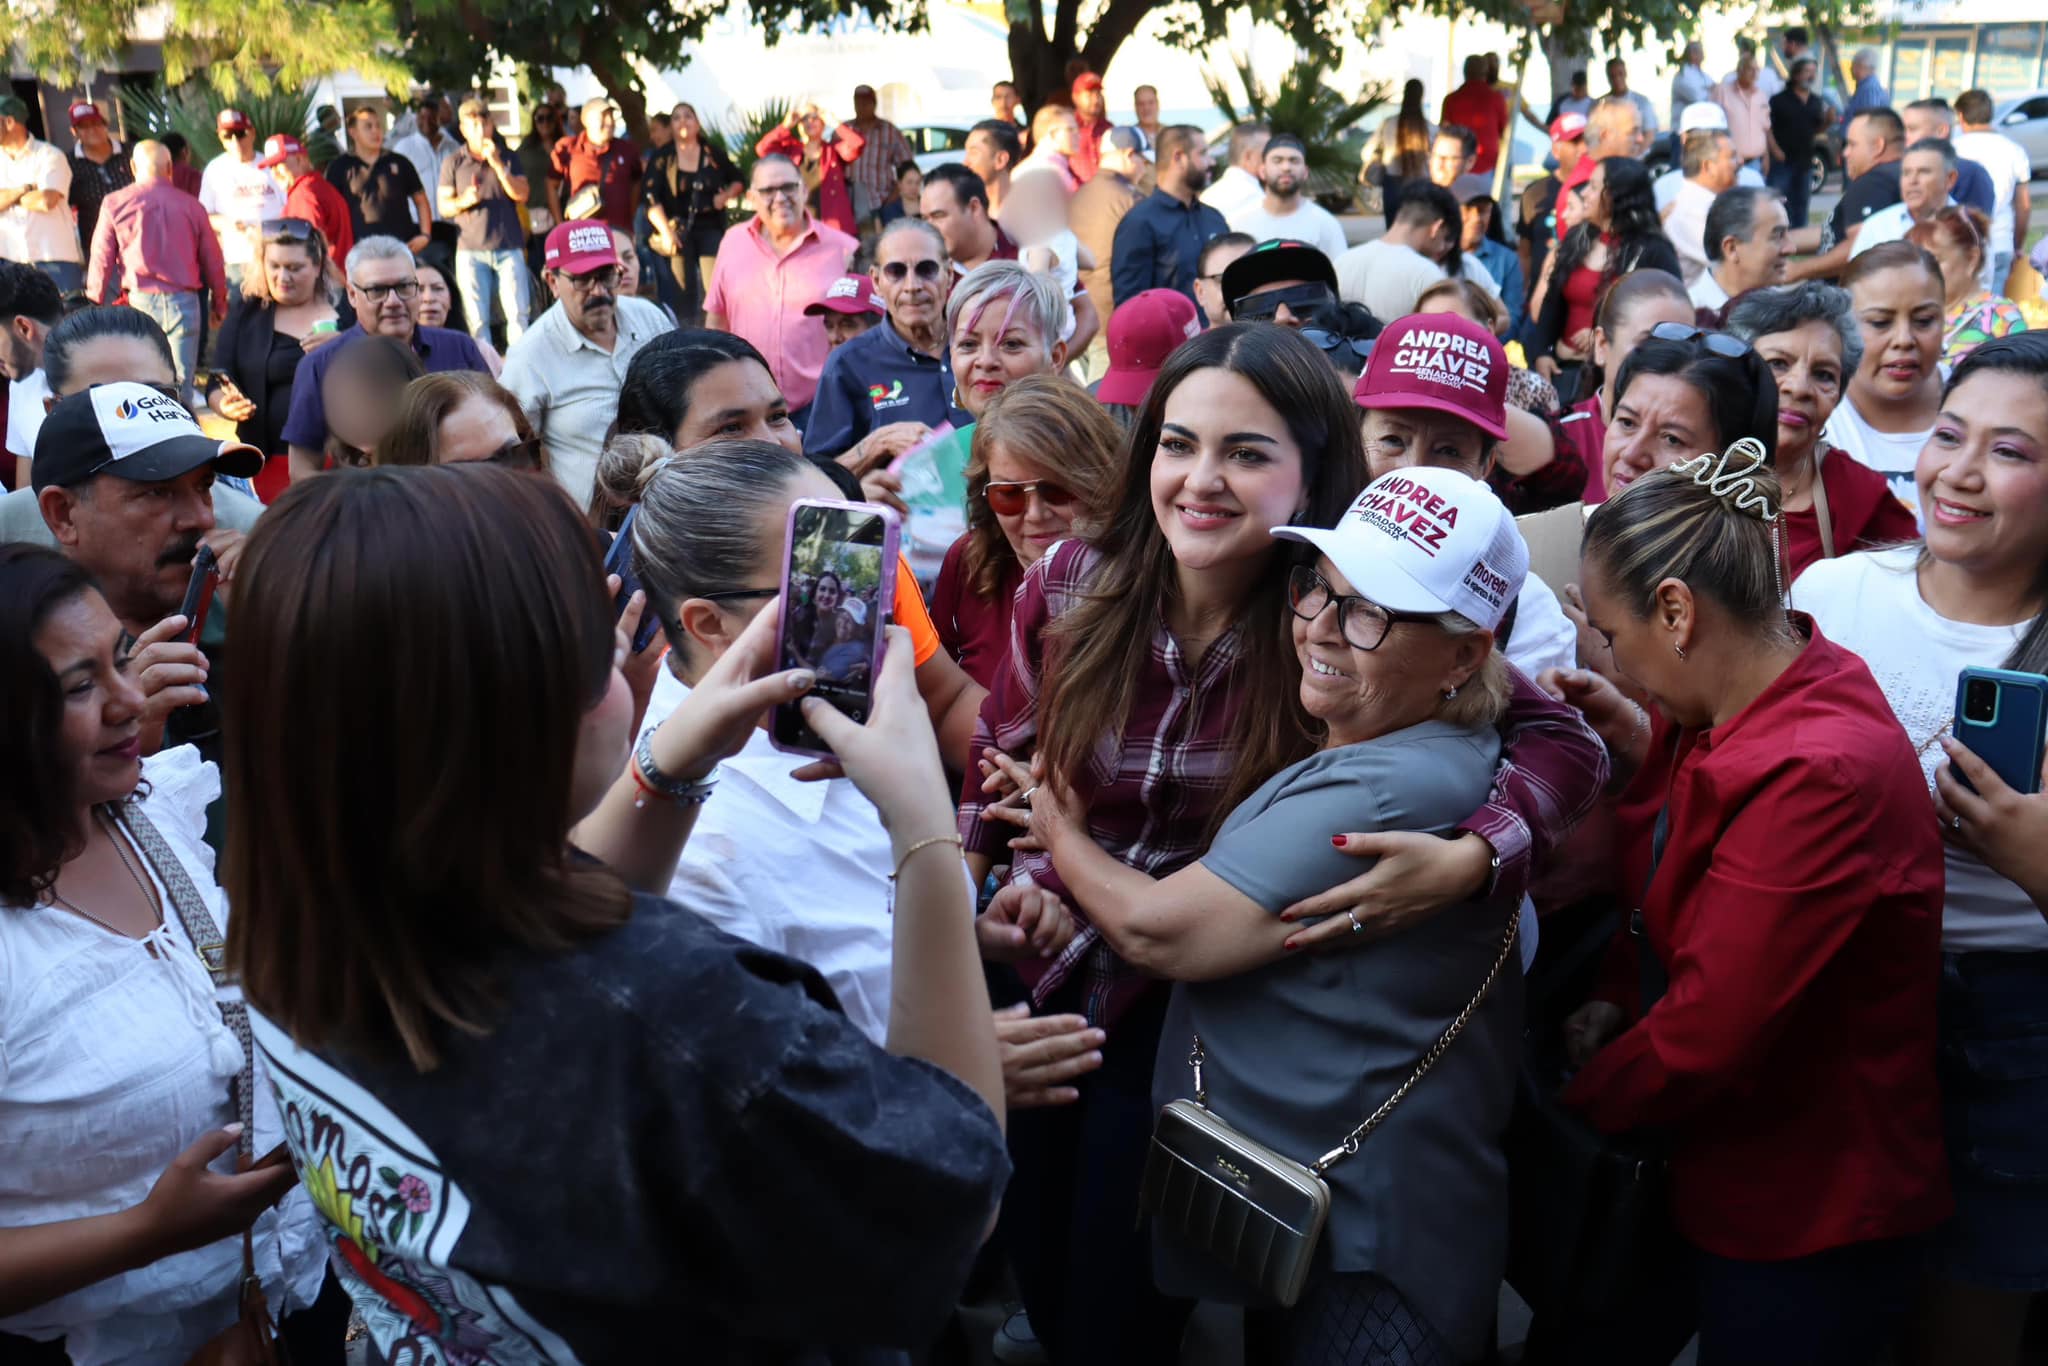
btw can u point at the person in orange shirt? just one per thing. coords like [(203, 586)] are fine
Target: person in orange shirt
[(307, 195)]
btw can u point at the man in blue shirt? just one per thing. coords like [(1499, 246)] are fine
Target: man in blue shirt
[(1158, 245), (385, 293), (1870, 91), (883, 391)]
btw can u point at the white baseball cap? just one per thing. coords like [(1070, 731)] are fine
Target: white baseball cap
[(1702, 116), (1427, 540), (855, 608)]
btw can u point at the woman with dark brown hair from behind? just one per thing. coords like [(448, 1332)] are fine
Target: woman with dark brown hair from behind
[(457, 417), (527, 1100)]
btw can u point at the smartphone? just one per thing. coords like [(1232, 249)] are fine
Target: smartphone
[(838, 575), (199, 593), (2000, 715), (619, 560)]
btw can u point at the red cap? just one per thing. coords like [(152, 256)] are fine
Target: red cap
[(847, 294), (1442, 362), (232, 121), (579, 247), (1087, 80), (277, 147), (1143, 332), (1568, 128), (86, 112)]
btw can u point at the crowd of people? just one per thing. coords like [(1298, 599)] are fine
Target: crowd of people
[(1245, 755)]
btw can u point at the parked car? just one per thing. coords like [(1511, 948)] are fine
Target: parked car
[(932, 146), (2025, 121)]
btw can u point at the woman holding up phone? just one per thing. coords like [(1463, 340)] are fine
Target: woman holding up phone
[(120, 1216), (731, 1163), (1974, 593)]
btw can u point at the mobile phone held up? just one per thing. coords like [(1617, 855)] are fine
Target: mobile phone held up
[(619, 560), (2000, 716), (199, 593), (838, 580)]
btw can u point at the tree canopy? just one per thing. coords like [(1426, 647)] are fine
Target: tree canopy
[(235, 45)]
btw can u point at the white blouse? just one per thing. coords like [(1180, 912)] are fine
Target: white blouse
[(113, 1060)]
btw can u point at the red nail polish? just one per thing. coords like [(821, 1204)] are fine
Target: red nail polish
[(1290, 946), (1337, 840)]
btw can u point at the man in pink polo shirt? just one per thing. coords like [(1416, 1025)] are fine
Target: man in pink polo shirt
[(779, 263)]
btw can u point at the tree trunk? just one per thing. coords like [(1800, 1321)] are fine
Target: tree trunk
[(616, 75), (1038, 63)]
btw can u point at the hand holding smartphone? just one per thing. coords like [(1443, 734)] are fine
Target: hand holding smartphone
[(838, 579), (199, 593), (619, 560), (2000, 716)]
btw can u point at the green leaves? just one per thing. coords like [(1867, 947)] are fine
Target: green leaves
[(1304, 104)]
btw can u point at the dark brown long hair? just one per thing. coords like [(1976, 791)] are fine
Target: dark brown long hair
[(38, 801), (1052, 422), (1097, 650), (426, 642)]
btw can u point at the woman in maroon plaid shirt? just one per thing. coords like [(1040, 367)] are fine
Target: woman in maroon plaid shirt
[(1155, 661)]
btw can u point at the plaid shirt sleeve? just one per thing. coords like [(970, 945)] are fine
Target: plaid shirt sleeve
[(1552, 769)]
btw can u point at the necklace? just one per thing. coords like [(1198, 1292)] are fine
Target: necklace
[(142, 882), (1921, 749)]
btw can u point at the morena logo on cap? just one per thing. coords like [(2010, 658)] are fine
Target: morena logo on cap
[(1430, 356)]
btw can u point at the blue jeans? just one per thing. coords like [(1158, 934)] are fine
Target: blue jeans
[(1794, 184), (178, 315), (481, 276)]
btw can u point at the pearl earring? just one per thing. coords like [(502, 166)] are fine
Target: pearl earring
[(1450, 693)]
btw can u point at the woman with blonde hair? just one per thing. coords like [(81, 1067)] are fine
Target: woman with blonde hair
[(460, 416), (1043, 466), (290, 308), (820, 160)]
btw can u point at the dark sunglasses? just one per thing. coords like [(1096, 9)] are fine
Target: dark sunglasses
[(287, 230), (1362, 622), (1337, 346), (517, 455), (1011, 498), (1719, 343), (1298, 298), (896, 272)]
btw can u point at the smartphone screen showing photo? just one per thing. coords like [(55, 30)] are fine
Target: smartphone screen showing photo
[(835, 605)]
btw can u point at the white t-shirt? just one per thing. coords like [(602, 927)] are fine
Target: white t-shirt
[(2009, 167), (1473, 270), (1233, 192), (1870, 602), (1891, 454), (240, 192), (1544, 637), (1386, 277), (28, 235), (25, 413), (1685, 223), (1310, 223), (1666, 186), (1706, 292)]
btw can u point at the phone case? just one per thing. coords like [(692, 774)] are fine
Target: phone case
[(2011, 741), (786, 728), (619, 560)]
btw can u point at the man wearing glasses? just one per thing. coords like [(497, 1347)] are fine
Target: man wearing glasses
[(884, 391), (567, 370), (238, 195), (154, 243), (771, 268), (385, 293)]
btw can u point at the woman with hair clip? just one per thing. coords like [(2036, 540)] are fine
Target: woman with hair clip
[(1887, 415), (1682, 390), (1831, 504), (1976, 593), (1167, 630), (1773, 1018), (731, 1163), (1622, 233), (121, 1217)]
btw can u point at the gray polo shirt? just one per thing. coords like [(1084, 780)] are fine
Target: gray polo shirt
[(1301, 1051), (570, 387)]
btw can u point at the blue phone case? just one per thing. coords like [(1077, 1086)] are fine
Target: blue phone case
[(2011, 740), (619, 560)]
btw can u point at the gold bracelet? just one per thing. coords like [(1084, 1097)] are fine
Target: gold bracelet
[(925, 844)]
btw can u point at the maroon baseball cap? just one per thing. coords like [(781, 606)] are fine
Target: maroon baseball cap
[(1087, 80), (579, 247), (1143, 332), (1568, 127), (232, 121), (84, 112), (847, 294), (1442, 362), (277, 147)]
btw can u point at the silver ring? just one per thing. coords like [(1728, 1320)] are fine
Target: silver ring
[(1956, 824), (1024, 797), (1356, 928)]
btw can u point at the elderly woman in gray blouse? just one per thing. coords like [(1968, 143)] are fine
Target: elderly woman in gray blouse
[(1394, 628)]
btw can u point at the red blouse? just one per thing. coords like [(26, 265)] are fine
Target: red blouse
[(974, 630), (1581, 295), (1862, 510), (1797, 909)]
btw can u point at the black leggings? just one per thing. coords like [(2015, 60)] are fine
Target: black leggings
[(1344, 1319)]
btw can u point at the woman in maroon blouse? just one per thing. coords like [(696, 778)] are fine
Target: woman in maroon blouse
[(1807, 334), (1043, 466), (1780, 1033)]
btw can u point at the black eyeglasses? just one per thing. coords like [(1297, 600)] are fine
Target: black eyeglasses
[(1362, 622), (517, 455), (792, 189), (287, 230), (1298, 298), (404, 289), (896, 271), (1337, 346), (1719, 343), (738, 594), (608, 276)]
